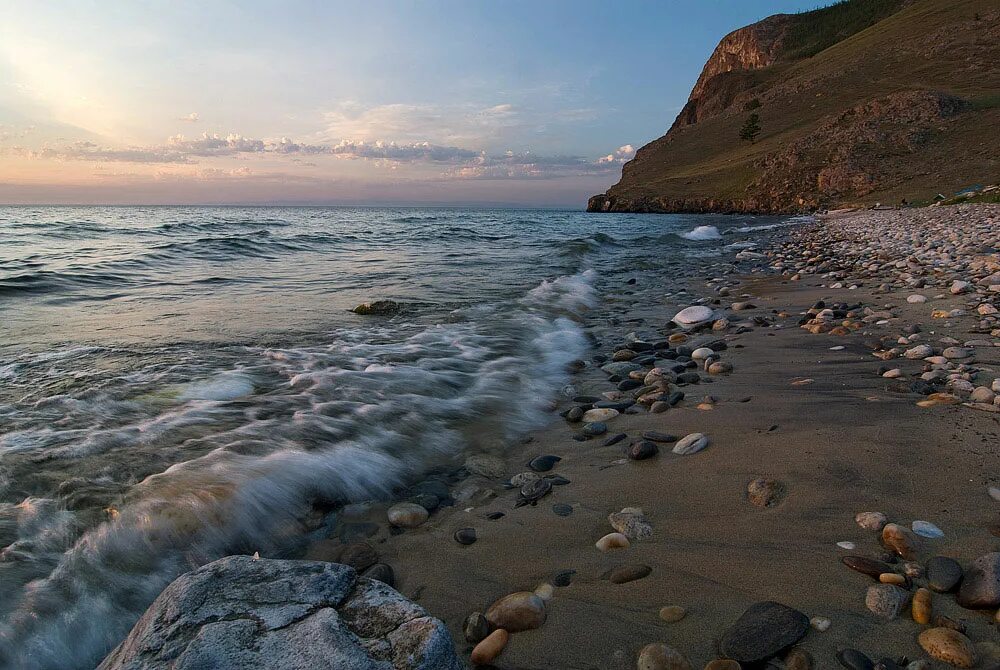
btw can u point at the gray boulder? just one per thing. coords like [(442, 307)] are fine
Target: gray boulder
[(239, 613)]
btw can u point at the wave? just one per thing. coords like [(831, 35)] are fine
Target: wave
[(702, 233), (353, 419)]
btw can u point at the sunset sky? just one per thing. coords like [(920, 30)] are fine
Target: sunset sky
[(506, 102)]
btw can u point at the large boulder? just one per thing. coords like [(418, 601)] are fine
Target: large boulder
[(240, 612)]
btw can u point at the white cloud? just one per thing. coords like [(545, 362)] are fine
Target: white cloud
[(214, 145), (624, 154), (190, 118)]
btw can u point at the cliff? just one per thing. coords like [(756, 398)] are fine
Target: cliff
[(859, 102)]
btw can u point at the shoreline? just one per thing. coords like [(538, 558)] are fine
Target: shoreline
[(843, 442)]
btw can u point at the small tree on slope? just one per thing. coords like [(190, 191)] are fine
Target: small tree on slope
[(751, 129)]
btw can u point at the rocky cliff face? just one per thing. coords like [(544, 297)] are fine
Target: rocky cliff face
[(892, 107)]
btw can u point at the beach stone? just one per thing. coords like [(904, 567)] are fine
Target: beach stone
[(517, 612), (958, 287), (487, 466), (377, 308), (701, 353), (631, 523), (692, 317), (621, 368), (382, 573), (239, 612), (764, 492), (476, 627), (657, 436), (522, 478), (407, 515), (983, 394), (854, 659), (723, 664), (871, 520), (658, 656), (820, 623), (672, 613), (949, 646), (595, 428), (643, 449), (691, 444), (575, 414), (919, 351), (359, 555), (926, 529), (465, 536), (762, 631), (720, 368), (563, 578), (921, 608), (916, 299), (599, 414), (798, 658), (866, 566), (943, 574), (628, 573), (490, 647), (900, 540), (612, 541), (956, 352), (659, 407), (543, 463), (981, 584), (886, 600)]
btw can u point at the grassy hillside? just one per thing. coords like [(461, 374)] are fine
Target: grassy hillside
[(842, 126)]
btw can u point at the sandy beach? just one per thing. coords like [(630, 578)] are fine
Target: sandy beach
[(809, 412)]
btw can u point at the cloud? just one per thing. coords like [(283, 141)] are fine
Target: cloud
[(624, 154), (526, 165), (439, 124), (88, 151), (215, 145), (190, 118)]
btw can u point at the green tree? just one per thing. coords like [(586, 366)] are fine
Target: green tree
[(751, 129)]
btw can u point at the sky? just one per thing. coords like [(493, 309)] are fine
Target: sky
[(501, 102)]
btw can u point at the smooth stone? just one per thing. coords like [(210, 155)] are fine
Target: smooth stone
[(487, 466), (693, 316), (919, 351), (849, 546), (476, 627), (381, 572), (886, 600), (949, 646), (612, 541), (595, 428), (659, 407), (943, 574), (545, 592), (798, 658), (465, 536), (764, 492), (562, 509), (820, 623), (359, 555), (691, 444), (672, 613), (563, 578), (615, 439), (866, 566), (640, 451), (628, 573), (407, 515), (575, 415), (621, 368), (720, 368), (926, 529), (921, 608), (599, 414), (657, 436), (762, 631), (543, 463), (900, 540), (723, 664), (517, 612), (854, 659), (871, 520), (490, 647), (631, 523), (981, 584), (658, 656), (701, 353)]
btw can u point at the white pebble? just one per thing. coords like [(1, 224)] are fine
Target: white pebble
[(849, 546), (926, 529), (820, 623)]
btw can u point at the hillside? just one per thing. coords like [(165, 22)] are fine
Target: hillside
[(864, 101)]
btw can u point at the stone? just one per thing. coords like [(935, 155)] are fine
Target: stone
[(957, 353), (820, 623), (487, 466), (643, 449), (631, 523), (854, 659), (958, 287), (612, 541), (517, 612), (981, 584), (658, 656), (407, 515), (563, 578), (919, 351), (599, 414), (763, 631), (377, 308), (943, 574), (359, 555), (701, 353), (672, 613), (798, 658), (543, 463), (892, 578), (692, 317), (562, 509), (949, 646), (240, 612), (382, 573), (900, 540), (982, 394), (866, 566), (764, 492), (926, 529), (491, 647), (916, 299), (621, 368), (595, 428), (476, 627), (691, 444), (723, 664), (886, 600), (545, 592), (657, 436), (522, 478), (628, 573), (720, 368), (920, 608), (871, 520), (465, 536)]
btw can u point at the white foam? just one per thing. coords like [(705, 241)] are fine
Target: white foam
[(702, 233), (226, 386)]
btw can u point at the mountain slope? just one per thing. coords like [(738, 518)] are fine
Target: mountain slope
[(863, 101)]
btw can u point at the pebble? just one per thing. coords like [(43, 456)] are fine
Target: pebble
[(723, 664), (919, 351), (545, 592), (490, 647), (820, 623), (517, 612), (921, 609), (701, 353), (926, 529), (892, 578), (943, 574), (720, 368), (849, 546), (599, 414), (359, 555), (886, 600), (691, 444), (595, 428), (657, 436), (658, 656), (380, 572), (543, 463), (483, 465), (854, 659), (612, 541), (949, 646), (866, 566), (476, 627), (798, 658), (563, 578), (465, 535), (980, 586), (871, 520), (522, 478), (628, 573), (762, 631), (631, 523), (407, 515), (900, 540), (643, 449), (692, 317), (672, 613)]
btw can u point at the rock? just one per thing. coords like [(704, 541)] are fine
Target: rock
[(820, 623), (378, 308), (657, 436), (956, 353), (886, 600), (958, 287), (628, 573), (407, 515), (926, 529), (949, 646), (239, 612), (490, 647), (798, 658), (764, 492), (517, 612), (522, 478), (672, 613), (943, 574), (920, 609), (658, 656), (595, 428), (465, 536), (382, 573), (900, 540), (534, 491), (720, 368), (701, 353), (983, 394), (916, 299), (643, 449), (981, 584), (620, 369), (543, 463), (692, 317), (612, 541), (919, 351), (866, 566), (545, 592), (563, 578), (691, 444), (723, 664), (631, 523), (871, 520), (487, 466), (476, 627), (599, 414), (854, 659), (359, 555), (764, 630)]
